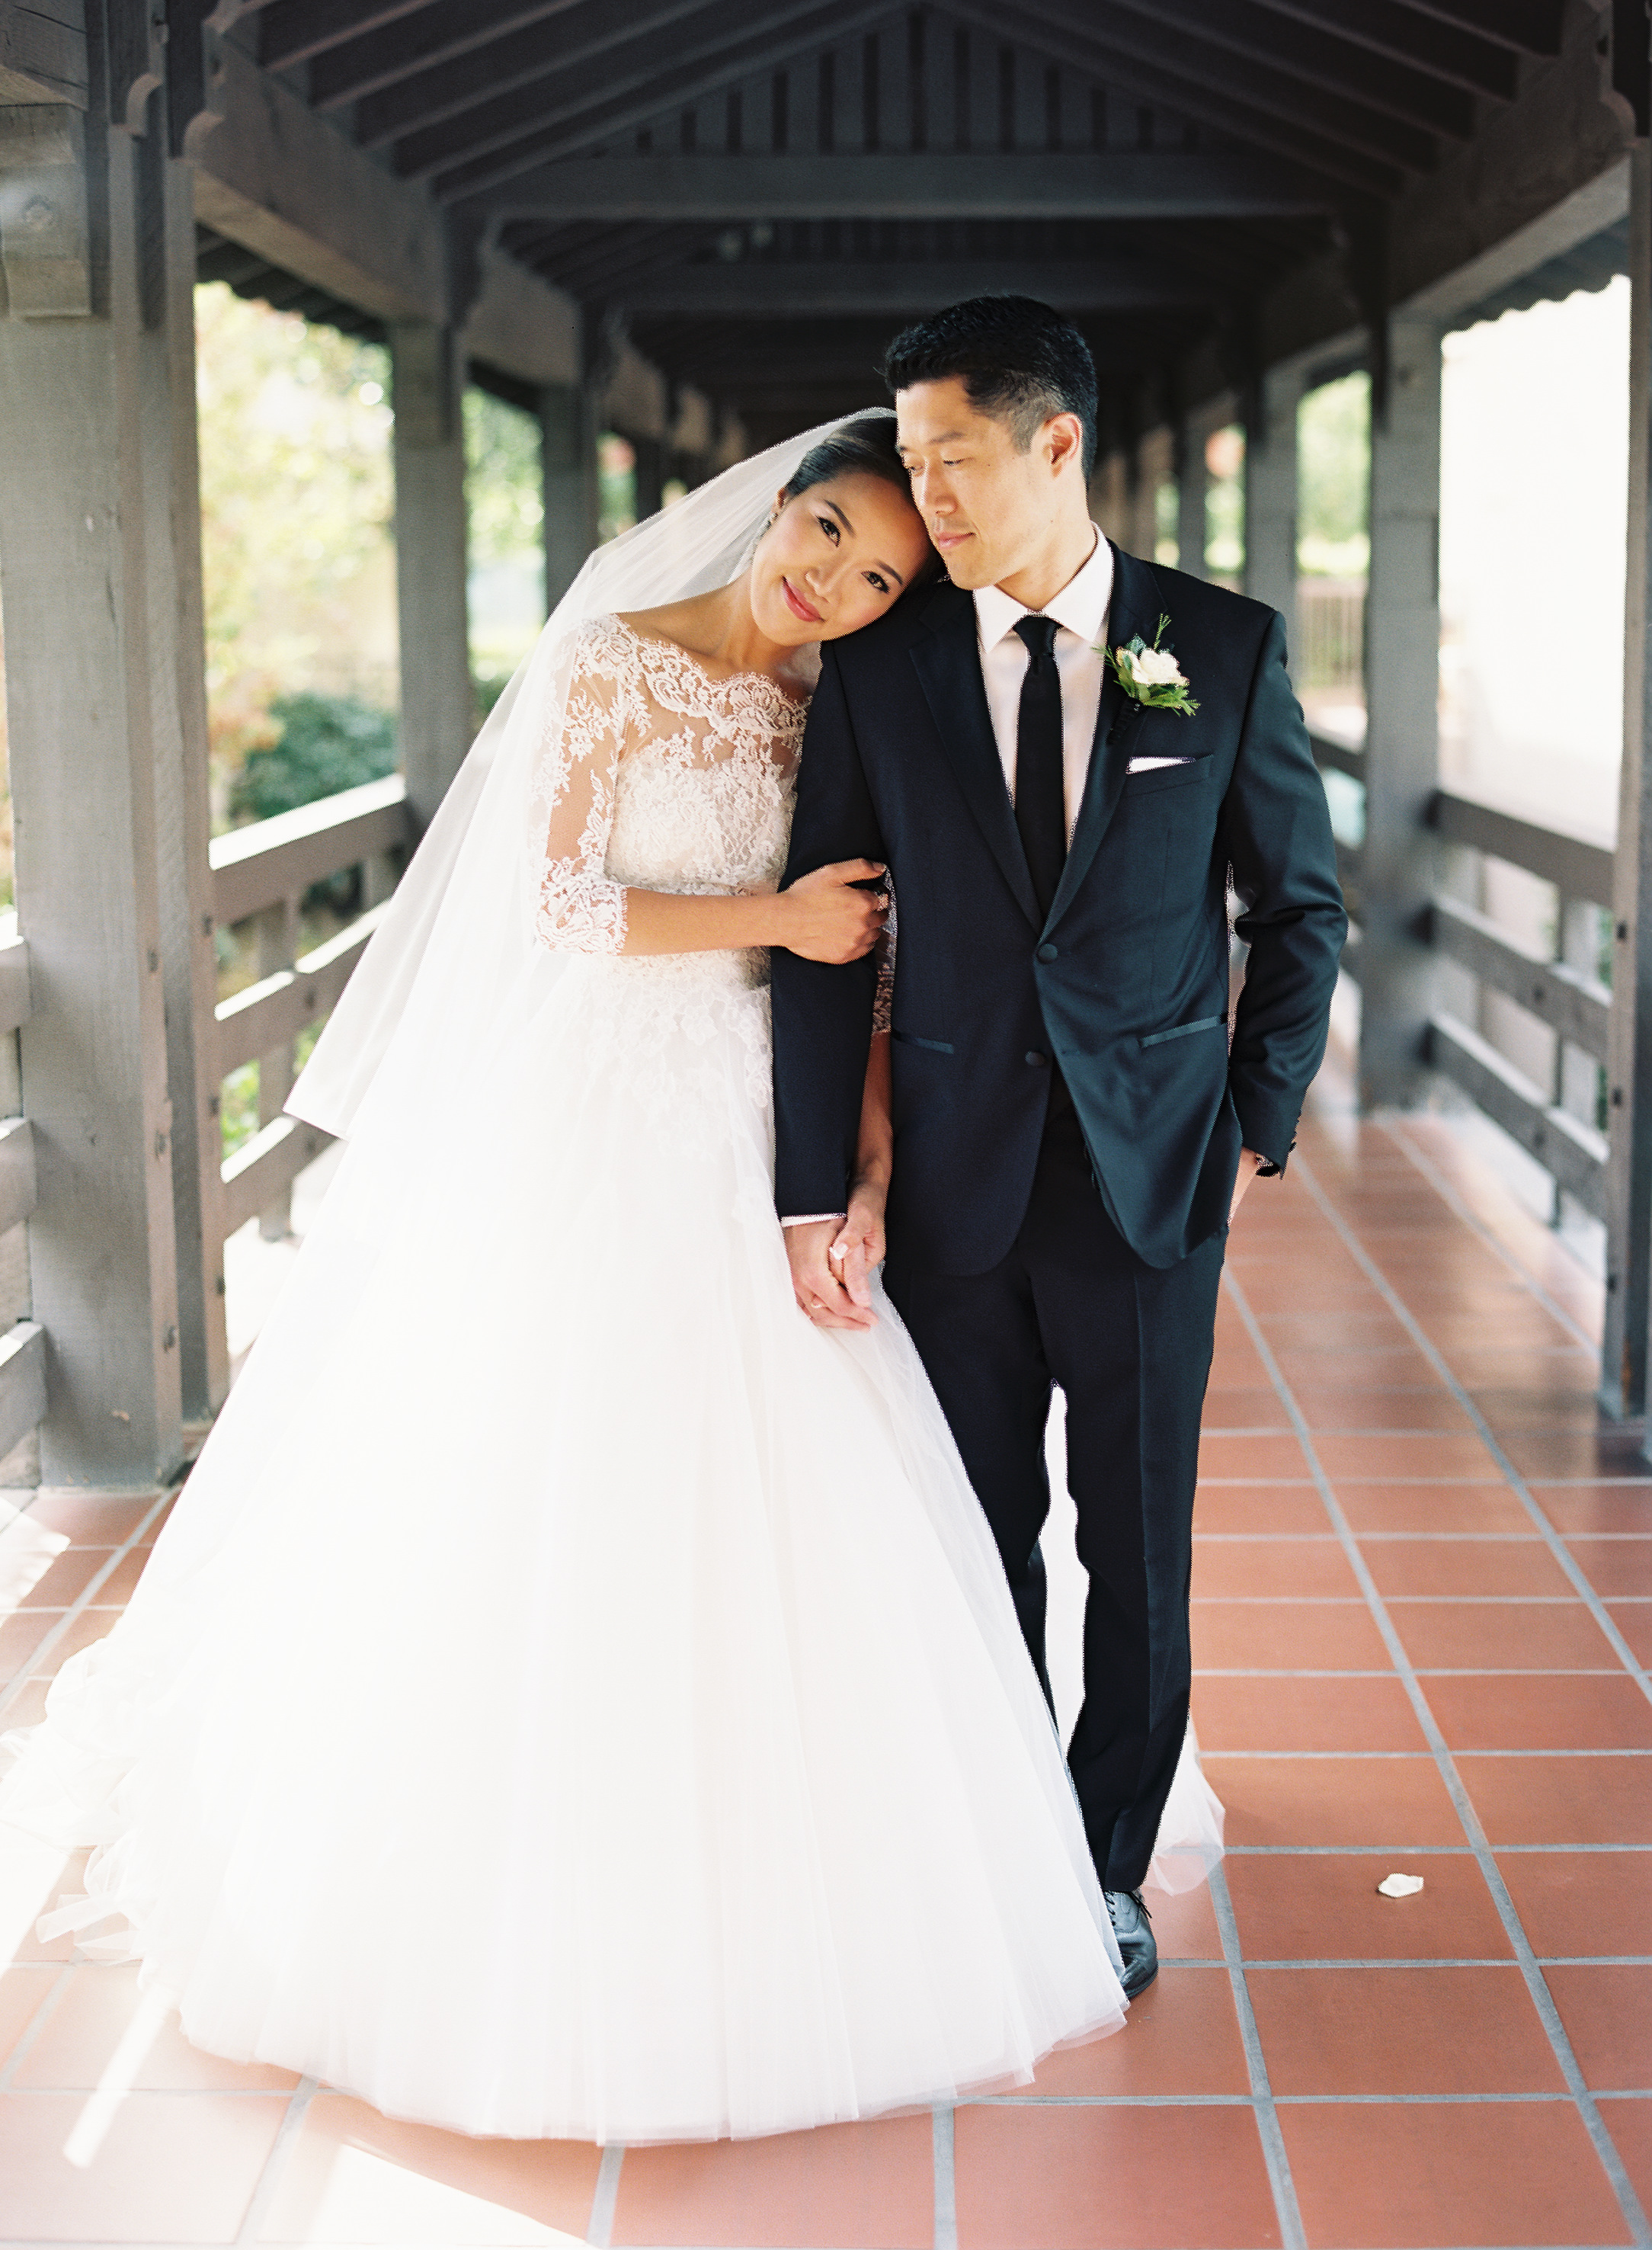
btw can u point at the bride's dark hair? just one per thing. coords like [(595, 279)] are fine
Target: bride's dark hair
[(864, 447)]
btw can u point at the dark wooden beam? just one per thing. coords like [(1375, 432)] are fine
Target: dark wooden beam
[(417, 91), (1155, 82), (1532, 26), (647, 79), (1184, 66), (379, 55), (1316, 56), (1195, 184), (1389, 27), (291, 30), (770, 287)]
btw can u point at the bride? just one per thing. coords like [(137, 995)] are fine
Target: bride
[(575, 1696)]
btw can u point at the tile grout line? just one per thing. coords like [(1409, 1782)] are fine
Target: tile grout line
[(269, 2180), (943, 2137), (1505, 1256), (1525, 1953), (1289, 2101), (1557, 1549), (605, 2196), (77, 1609), (49, 2004), (1293, 2233), (1384, 1851)]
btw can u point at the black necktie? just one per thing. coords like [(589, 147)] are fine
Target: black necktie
[(1040, 796)]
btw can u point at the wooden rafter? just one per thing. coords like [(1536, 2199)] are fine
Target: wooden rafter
[(1200, 184), (1390, 28)]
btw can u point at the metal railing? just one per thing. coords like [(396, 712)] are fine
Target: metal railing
[(260, 874), (1565, 995)]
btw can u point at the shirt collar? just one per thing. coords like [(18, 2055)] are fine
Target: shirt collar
[(1081, 606)]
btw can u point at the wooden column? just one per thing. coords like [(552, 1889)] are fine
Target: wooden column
[(1271, 495), (189, 962), (1629, 1181), (1153, 468), (87, 502), (650, 476), (1402, 688), (568, 455), (1192, 480), (430, 561)]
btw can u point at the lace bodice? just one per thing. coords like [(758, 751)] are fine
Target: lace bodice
[(668, 778)]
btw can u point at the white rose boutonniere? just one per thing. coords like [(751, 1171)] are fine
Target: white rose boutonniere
[(1151, 676)]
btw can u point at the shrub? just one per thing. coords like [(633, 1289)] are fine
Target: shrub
[(326, 743)]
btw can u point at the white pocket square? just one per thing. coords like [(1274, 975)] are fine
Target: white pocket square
[(1150, 765)]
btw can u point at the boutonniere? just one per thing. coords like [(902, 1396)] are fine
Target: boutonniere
[(1151, 676)]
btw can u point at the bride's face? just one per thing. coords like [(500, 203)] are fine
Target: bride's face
[(835, 558)]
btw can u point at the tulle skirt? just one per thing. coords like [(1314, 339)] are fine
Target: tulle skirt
[(574, 1696)]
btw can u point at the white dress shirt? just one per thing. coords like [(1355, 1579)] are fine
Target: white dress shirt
[(1080, 612)]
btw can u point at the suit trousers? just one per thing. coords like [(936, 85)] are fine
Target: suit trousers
[(1130, 1346)]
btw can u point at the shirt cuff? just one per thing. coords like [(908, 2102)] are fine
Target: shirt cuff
[(814, 1217)]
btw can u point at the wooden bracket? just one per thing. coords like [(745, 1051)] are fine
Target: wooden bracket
[(136, 50), (45, 249), (195, 70), (1626, 67)]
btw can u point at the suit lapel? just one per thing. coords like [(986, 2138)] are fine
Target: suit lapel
[(946, 659), (1134, 608)]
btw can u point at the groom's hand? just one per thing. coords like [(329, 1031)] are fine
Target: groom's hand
[(1248, 1161), (815, 1285)]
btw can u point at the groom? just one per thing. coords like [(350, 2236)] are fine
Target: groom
[(1074, 1125)]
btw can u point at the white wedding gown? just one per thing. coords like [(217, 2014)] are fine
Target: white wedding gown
[(575, 1696)]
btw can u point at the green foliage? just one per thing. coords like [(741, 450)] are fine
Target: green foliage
[(1333, 467), (326, 743), (296, 505), (504, 485), (238, 1108)]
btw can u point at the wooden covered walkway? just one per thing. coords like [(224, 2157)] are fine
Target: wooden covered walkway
[(1423, 1615)]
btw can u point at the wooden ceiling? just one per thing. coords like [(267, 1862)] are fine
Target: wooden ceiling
[(759, 193)]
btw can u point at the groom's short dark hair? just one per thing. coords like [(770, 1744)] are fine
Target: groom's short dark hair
[(1020, 362)]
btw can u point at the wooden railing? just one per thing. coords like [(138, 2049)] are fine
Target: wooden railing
[(23, 1346), (261, 873), (1567, 996)]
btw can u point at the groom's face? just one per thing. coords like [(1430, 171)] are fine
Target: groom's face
[(986, 502)]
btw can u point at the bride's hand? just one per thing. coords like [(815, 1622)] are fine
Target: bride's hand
[(825, 918), (858, 1245)]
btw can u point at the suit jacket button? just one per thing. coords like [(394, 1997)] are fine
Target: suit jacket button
[(1048, 952), (1035, 1059)]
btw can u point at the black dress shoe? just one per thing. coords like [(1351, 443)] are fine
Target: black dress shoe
[(1132, 1927)]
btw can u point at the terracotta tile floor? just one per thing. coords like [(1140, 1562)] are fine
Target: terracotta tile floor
[(1423, 1595)]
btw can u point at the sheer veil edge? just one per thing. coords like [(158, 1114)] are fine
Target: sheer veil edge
[(455, 966)]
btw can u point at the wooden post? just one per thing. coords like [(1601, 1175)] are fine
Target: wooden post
[(568, 455), (87, 500), (278, 938), (1629, 1180), (1153, 469), (182, 783), (1271, 496), (1191, 483), (650, 476), (1402, 688), (430, 561)]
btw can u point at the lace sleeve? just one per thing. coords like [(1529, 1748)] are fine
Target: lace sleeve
[(884, 954), (580, 909)]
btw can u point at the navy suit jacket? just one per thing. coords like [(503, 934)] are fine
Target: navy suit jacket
[(1125, 982)]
